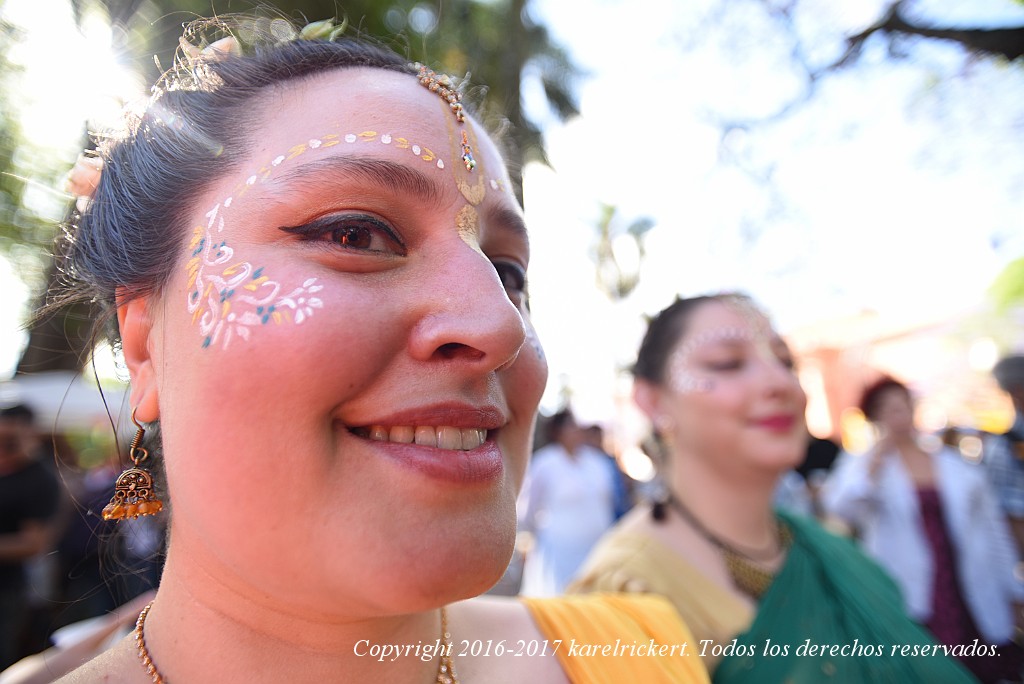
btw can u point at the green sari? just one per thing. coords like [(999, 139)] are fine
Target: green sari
[(828, 594)]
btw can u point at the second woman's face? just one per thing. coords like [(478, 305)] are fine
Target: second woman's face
[(732, 396), (347, 372)]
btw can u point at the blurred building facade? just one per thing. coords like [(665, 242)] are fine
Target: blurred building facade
[(947, 361)]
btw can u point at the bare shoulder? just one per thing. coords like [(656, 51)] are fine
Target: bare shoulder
[(119, 665), (507, 643)]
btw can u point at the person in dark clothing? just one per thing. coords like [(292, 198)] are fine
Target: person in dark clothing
[(821, 454), (29, 498)]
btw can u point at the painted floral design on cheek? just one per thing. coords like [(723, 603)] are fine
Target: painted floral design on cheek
[(229, 298)]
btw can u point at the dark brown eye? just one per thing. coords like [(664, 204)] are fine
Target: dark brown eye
[(356, 232), (359, 237), (512, 276)]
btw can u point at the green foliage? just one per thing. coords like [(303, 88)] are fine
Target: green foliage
[(619, 253), (23, 235), (1007, 290)]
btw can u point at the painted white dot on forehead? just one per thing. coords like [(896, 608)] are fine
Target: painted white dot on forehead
[(757, 319)]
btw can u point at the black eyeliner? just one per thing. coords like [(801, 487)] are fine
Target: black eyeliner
[(317, 228)]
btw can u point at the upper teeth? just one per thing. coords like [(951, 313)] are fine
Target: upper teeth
[(443, 437)]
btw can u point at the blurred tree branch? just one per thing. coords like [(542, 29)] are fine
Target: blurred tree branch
[(1001, 42)]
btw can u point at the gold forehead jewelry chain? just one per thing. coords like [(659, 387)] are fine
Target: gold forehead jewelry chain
[(445, 667)]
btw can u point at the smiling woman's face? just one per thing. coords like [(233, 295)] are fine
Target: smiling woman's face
[(731, 396), (342, 364)]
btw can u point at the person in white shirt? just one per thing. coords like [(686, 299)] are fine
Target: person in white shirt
[(568, 502), (933, 522)]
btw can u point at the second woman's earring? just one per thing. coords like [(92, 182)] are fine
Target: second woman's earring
[(133, 491)]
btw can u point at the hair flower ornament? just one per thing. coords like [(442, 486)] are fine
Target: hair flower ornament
[(228, 45), (283, 32), (83, 179), (325, 29)]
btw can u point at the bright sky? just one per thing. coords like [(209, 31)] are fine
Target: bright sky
[(889, 188)]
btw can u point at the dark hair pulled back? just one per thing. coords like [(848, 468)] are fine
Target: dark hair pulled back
[(194, 130)]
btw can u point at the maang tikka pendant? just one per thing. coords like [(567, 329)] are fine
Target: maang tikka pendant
[(133, 491)]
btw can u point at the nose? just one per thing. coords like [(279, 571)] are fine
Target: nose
[(778, 377), (467, 316)]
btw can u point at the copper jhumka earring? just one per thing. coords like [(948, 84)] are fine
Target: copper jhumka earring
[(133, 491)]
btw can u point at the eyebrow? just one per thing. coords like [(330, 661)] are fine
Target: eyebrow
[(508, 219), (387, 174), (384, 173)]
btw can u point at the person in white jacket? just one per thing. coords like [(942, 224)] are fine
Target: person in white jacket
[(932, 520)]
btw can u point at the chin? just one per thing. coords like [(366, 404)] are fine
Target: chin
[(780, 461), (462, 571), (485, 555)]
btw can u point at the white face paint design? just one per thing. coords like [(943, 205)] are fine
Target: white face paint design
[(229, 298), (683, 378), (534, 342)]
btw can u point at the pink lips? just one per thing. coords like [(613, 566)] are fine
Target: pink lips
[(777, 423), (483, 464), (480, 465)]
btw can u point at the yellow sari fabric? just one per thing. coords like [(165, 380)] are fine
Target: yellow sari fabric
[(610, 638)]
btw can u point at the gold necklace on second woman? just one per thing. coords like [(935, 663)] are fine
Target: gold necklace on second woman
[(445, 668), (746, 568)]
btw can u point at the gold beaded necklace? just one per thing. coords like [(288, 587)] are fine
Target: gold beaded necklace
[(445, 667), (744, 567)]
